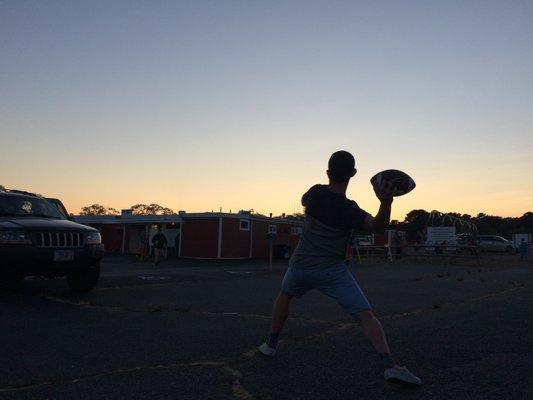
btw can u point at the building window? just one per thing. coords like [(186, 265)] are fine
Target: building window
[(296, 230), (244, 225), (272, 229)]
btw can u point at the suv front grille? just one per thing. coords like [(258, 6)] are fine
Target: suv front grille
[(59, 239)]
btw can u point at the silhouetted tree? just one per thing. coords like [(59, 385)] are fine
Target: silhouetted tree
[(397, 225), (415, 222), (98, 209), (294, 217), (524, 224), (489, 224), (150, 209)]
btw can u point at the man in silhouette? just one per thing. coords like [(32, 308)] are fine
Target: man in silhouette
[(159, 243), (523, 250), (318, 260)]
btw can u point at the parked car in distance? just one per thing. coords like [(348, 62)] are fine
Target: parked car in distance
[(37, 239), (494, 243)]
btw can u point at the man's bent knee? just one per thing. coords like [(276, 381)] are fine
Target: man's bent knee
[(285, 296), (283, 300), (366, 315)]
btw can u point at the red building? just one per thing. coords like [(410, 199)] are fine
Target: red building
[(223, 235), (199, 235)]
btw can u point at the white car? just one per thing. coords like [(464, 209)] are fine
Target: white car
[(494, 243)]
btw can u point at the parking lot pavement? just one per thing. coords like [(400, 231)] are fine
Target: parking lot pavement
[(189, 331)]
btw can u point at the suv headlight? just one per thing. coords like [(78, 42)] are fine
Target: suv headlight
[(93, 238), (14, 237)]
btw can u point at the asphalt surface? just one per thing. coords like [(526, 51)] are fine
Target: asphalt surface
[(189, 331)]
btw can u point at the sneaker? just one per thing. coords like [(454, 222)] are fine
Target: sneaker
[(402, 376), (266, 350)]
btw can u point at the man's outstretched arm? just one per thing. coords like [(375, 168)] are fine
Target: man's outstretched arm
[(385, 195), (381, 220)]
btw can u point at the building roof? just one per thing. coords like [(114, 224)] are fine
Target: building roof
[(128, 219), (247, 216), (176, 218)]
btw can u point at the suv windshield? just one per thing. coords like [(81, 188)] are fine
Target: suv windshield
[(22, 206)]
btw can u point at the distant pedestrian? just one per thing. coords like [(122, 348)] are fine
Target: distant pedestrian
[(472, 243), (144, 245), (397, 244), (523, 250), (159, 243), (437, 248)]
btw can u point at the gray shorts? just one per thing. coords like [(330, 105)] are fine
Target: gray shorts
[(336, 282)]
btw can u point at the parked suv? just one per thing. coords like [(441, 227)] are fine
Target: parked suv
[(36, 238), (494, 243)]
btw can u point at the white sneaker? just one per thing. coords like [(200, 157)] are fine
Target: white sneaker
[(266, 350), (402, 376)]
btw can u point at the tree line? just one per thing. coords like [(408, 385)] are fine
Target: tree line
[(137, 209), (416, 221)]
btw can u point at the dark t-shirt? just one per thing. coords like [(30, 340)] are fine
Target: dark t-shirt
[(159, 241), (329, 220), (333, 209)]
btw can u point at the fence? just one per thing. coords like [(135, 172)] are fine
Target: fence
[(417, 251)]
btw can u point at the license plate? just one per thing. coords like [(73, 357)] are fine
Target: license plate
[(63, 255)]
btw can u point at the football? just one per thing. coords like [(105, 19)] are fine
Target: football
[(402, 182)]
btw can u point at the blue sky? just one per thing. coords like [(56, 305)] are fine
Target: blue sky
[(238, 104)]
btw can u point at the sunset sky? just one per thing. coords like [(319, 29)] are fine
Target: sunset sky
[(238, 104)]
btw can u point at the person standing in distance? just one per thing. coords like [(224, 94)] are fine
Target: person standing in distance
[(159, 243), (318, 260), (523, 250)]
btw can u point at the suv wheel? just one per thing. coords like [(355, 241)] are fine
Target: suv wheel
[(85, 279)]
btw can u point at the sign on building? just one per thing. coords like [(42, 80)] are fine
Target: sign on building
[(439, 234)]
